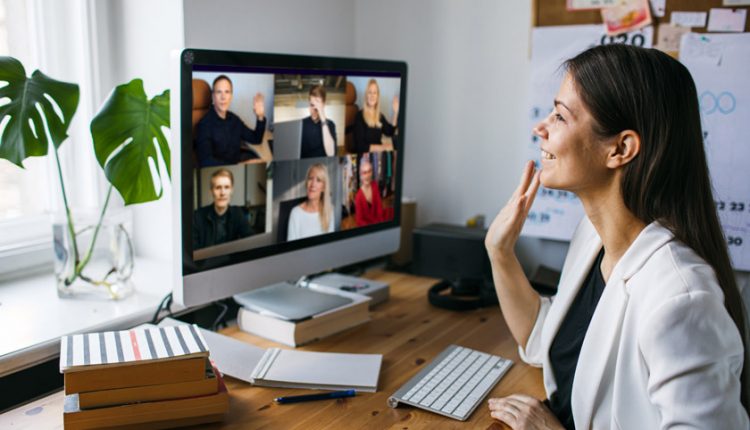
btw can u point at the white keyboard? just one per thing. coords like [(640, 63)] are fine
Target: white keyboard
[(454, 383)]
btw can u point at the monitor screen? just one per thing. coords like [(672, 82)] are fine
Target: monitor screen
[(290, 161)]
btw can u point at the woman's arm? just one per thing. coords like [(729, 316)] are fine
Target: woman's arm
[(518, 300), (360, 146)]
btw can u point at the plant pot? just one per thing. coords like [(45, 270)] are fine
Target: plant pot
[(100, 271)]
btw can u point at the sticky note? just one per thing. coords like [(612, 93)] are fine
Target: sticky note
[(589, 4), (689, 19), (669, 37), (659, 7), (727, 20)]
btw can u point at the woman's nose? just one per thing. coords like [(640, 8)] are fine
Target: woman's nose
[(540, 130)]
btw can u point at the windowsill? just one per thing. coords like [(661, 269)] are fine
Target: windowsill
[(33, 317)]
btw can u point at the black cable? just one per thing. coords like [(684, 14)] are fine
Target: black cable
[(166, 303)]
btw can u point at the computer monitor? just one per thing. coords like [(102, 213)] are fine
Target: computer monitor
[(248, 219)]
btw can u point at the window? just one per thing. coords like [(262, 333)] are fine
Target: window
[(25, 194)]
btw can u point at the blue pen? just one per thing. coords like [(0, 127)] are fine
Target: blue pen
[(310, 397)]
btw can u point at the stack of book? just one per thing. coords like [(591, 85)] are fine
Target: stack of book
[(154, 377)]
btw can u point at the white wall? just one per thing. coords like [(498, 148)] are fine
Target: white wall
[(319, 27), (135, 39), (466, 96)]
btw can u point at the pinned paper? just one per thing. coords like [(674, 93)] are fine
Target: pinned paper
[(627, 16), (700, 48), (668, 39), (589, 4), (736, 3), (659, 7), (727, 20), (689, 19)]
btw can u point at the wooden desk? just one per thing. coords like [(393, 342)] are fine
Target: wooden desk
[(407, 330)]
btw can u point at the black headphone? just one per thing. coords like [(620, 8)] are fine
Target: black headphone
[(466, 294)]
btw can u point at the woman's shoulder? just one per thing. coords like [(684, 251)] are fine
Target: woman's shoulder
[(674, 270)]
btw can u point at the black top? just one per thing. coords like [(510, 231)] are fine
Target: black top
[(566, 347), (312, 138), (219, 141), (364, 135), (210, 228)]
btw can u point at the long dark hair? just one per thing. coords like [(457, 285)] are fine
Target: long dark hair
[(645, 90)]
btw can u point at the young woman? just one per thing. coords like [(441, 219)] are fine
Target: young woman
[(370, 124), (647, 328), (314, 216)]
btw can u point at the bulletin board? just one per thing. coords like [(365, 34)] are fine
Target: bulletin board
[(719, 63), (553, 12)]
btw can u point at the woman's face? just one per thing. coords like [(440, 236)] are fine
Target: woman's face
[(572, 157), (371, 95), (315, 185), (221, 189), (365, 174), (222, 96)]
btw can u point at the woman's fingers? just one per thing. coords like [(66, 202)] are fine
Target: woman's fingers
[(531, 191), (526, 176)]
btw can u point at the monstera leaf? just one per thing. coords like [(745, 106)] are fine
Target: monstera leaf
[(127, 133), (33, 102)]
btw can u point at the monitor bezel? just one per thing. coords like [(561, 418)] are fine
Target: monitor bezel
[(255, 62)]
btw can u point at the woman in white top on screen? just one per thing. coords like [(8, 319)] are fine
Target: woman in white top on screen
[(314, 216), (647, 328)]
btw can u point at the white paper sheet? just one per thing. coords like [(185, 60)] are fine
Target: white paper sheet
[(727, 20), (689, 19), (720, 65), (555, 214)]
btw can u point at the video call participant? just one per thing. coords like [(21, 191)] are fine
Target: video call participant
[(220, 133), (647, 330), (318, 132), (368, 206), (314, 216), (370, 124), (219, 222)]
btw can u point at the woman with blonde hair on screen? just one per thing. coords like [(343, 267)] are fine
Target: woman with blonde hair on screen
[(370, 124), (314, 216)]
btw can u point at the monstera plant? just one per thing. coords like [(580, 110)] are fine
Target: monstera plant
[(127, 132)]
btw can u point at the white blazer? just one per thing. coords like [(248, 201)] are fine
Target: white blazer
[(661, 350)]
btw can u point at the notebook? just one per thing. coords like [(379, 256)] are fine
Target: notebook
[(320, 370), (289, 368)]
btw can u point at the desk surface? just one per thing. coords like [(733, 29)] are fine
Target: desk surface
[(407, 330)]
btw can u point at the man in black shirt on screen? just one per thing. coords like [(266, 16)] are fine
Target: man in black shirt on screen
[(219, 135)]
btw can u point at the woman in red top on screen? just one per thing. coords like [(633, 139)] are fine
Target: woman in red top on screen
[(368, 207)]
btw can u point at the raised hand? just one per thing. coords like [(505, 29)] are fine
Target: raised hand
[(320, 107), (506, 227), (259, 106)]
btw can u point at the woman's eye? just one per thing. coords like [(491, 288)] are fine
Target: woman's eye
[(559, 117)]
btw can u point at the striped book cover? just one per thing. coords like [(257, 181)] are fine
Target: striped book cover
[(138, 345)]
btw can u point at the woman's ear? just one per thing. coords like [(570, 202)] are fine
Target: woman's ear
[(627, 145)]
